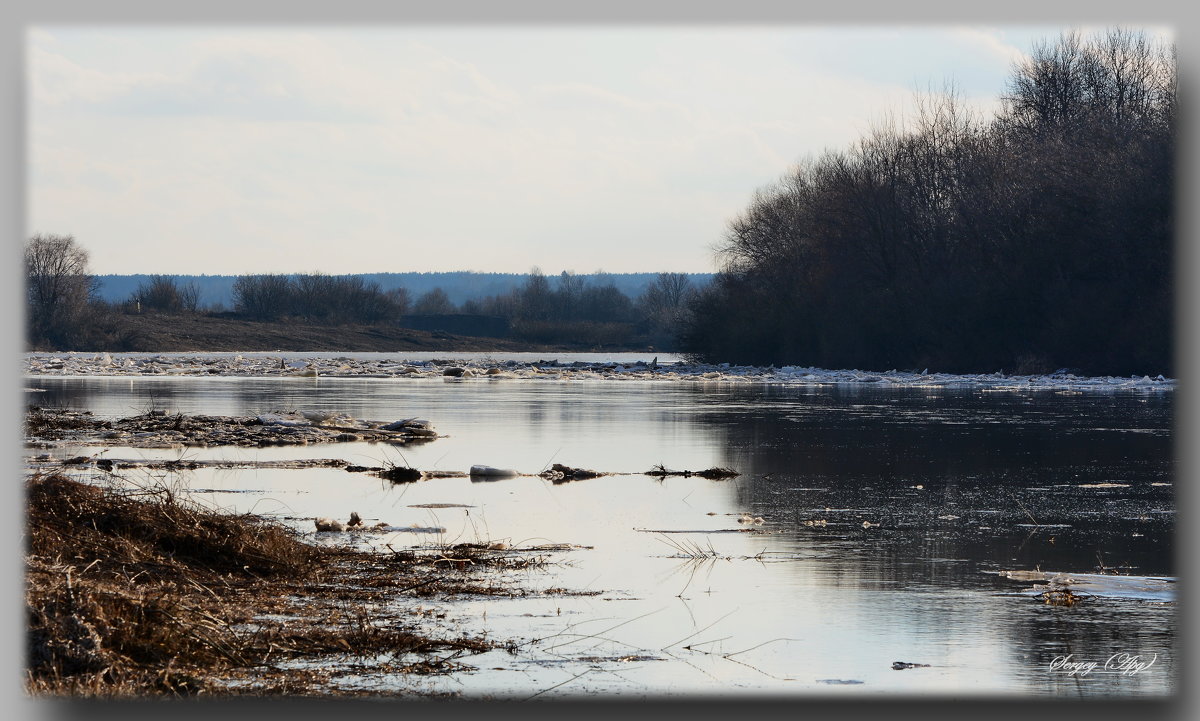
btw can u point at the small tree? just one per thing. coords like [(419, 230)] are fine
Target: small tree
[(159, 293), (265, 297), (537, 300), (435, 302), (570, 290), (189, 296), (400, 300), (604, 303), (665, 303)]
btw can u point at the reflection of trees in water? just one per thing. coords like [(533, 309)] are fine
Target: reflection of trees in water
[(1010, 470), (869, 452)]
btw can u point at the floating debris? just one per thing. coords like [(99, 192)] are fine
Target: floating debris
[(492, 473), (1098, 585), (318, 417), (902, 665), (157, 429), (412, 426), (712, 474), (399, 474), (1061, 597), (445, 474), (328, 525), (559, 473)]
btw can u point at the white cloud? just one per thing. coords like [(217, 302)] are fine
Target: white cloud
[(56, 80), (239, 150), (990, 41)]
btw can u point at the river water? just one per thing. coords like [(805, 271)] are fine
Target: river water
[(887, 514)]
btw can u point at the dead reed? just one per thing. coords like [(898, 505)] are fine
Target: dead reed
[(141, 593)]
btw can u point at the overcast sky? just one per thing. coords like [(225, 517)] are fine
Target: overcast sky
[(227, 150)]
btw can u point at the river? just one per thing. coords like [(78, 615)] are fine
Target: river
[(886, 517)]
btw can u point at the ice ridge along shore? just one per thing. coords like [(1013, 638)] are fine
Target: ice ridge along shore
[(486, 369)]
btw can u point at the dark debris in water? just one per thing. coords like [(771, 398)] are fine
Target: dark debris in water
[(712, 474), (399, 474), (559, 473), (158, 429), (1061, 597), (619, 659)]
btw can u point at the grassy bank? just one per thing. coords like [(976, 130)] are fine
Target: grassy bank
[(140, 593), (178, 332)]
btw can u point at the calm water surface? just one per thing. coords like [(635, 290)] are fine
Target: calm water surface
[(955, 485)]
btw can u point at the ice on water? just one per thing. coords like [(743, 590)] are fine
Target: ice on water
[(490, 369)]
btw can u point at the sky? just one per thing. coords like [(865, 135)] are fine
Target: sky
[(351, 149)]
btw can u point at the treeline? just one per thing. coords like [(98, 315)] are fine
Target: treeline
[(569, 309), (215, 292), (1037, 239), (65, 311), (316, 298)]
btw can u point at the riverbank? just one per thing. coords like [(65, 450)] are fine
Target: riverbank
[(137, 592), (133, 590), (199, 332)]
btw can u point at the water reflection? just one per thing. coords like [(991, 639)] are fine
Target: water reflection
[(887, 513)]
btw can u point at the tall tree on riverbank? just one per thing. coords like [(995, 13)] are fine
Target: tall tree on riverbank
[(58, 288), (1039, 239)]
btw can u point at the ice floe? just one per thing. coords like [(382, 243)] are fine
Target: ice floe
[(486, 369)]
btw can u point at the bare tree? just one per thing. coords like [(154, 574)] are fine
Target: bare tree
[(537, 300), (400, 300), (58, 286), (434, 302), (159, 293), (570, 290), (664, 304), (265, 297), (1044, 233), (189, 296)]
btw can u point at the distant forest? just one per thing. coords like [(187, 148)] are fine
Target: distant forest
[(69, 308), (215, 292), (1038, 239)]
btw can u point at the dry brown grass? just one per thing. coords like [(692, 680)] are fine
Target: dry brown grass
[(133, 594), (53, 423)]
